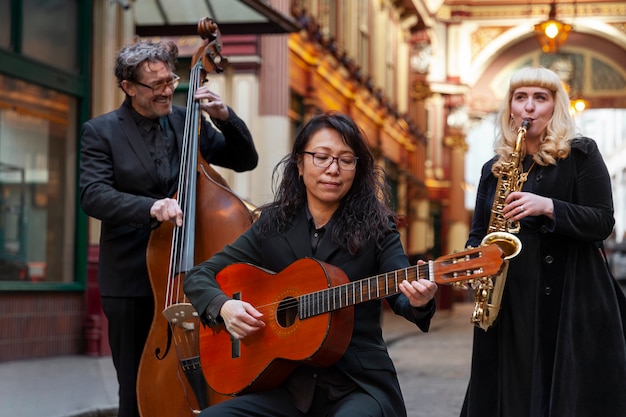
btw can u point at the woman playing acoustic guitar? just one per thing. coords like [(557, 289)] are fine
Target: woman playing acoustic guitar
[(328, 206)]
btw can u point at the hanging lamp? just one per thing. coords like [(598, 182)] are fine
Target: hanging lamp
[(552, 33)]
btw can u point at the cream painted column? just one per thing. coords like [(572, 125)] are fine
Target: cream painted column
[(241, 91), (113, 27), (402, 209), (274, 138), (272, 131), (422, 231), (458, 230)]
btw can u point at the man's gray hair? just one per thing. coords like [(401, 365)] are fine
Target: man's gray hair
[(130, 59)]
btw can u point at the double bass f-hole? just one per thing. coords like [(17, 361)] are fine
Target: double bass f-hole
[(170, 380)]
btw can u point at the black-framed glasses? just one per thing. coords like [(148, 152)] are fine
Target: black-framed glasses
[(159, 88), (324, 160)]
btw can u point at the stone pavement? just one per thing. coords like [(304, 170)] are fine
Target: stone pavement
[(433, 370), (65, 386)]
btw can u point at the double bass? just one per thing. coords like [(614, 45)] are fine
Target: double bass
[(170, 379)]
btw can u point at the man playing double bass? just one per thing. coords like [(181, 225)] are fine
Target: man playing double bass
[(130, 161)]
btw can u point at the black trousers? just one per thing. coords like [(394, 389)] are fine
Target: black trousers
[(279, 403), (129, 324)]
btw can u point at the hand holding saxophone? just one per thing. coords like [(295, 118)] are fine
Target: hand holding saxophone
[(522, 204)]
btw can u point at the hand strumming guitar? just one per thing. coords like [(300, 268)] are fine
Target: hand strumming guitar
[(241, 319)]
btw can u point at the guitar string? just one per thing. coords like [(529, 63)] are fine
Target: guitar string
[(422, 270), (411, 273)]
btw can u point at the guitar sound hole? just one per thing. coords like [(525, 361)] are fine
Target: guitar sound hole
[(287, 312)]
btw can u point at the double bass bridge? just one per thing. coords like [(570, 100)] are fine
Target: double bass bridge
[(181, 315)]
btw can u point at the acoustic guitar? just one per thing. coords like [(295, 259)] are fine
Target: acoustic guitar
[(308, 309)]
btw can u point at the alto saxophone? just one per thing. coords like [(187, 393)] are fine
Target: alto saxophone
[(488, 290)]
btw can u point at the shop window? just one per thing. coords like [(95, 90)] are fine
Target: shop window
[(37, 183), (49, 32), (5, 24)]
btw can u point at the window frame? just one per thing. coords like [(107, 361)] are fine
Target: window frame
[(14, 64)]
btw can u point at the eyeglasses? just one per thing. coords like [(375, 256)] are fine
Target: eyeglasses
[(159, 88), (324, 160)]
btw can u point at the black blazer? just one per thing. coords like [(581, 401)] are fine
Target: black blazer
[(119, 184), (366, 360)]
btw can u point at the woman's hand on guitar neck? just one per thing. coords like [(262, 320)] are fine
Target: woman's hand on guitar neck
[(240, 318), (419, 292)]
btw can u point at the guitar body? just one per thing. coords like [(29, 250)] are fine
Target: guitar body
[(308, 309), (265, 359)]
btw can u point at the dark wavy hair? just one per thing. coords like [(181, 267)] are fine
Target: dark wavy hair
[(130, 59), (364, 212)]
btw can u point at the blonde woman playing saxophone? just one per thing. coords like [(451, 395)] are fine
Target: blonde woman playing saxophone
[(558, 346)]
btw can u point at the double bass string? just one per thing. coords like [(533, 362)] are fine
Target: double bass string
[(181, 260), (182, 248)]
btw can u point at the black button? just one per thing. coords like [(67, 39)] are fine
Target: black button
[(539, 177), (547, 290), (549, 259)]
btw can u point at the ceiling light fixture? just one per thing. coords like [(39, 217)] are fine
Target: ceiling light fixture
[(552, 33)]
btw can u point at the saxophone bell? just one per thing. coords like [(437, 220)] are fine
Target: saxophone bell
[(508, 242)]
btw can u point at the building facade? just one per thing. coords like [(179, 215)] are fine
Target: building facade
[(420, 77)]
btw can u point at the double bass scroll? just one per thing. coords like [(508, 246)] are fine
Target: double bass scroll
[(210, 56), (170, 380)]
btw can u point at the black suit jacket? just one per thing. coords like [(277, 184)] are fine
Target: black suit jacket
[(366, 360), (119, 184)]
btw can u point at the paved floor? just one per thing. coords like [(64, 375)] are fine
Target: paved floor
[(433, 370), (58, 387)]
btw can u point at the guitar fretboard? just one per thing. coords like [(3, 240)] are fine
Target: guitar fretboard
[(356, 292)]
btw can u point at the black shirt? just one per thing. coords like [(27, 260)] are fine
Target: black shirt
[(160, 139)]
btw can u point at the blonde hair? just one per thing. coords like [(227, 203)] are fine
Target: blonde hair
[(560, 129)]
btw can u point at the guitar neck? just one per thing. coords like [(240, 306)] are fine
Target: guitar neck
[(372, 288)]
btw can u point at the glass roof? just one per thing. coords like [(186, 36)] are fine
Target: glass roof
[(180, 17)]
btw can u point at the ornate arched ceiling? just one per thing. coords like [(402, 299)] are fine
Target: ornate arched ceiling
[(593, 67), (496, 37)]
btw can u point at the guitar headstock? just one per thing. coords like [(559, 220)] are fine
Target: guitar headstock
[(469, 264)]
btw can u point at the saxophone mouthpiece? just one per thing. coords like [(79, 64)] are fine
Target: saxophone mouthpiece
[(526, 123)]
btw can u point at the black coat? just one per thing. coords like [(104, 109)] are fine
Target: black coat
[(366, 360), (119, 184), (558, 347)]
